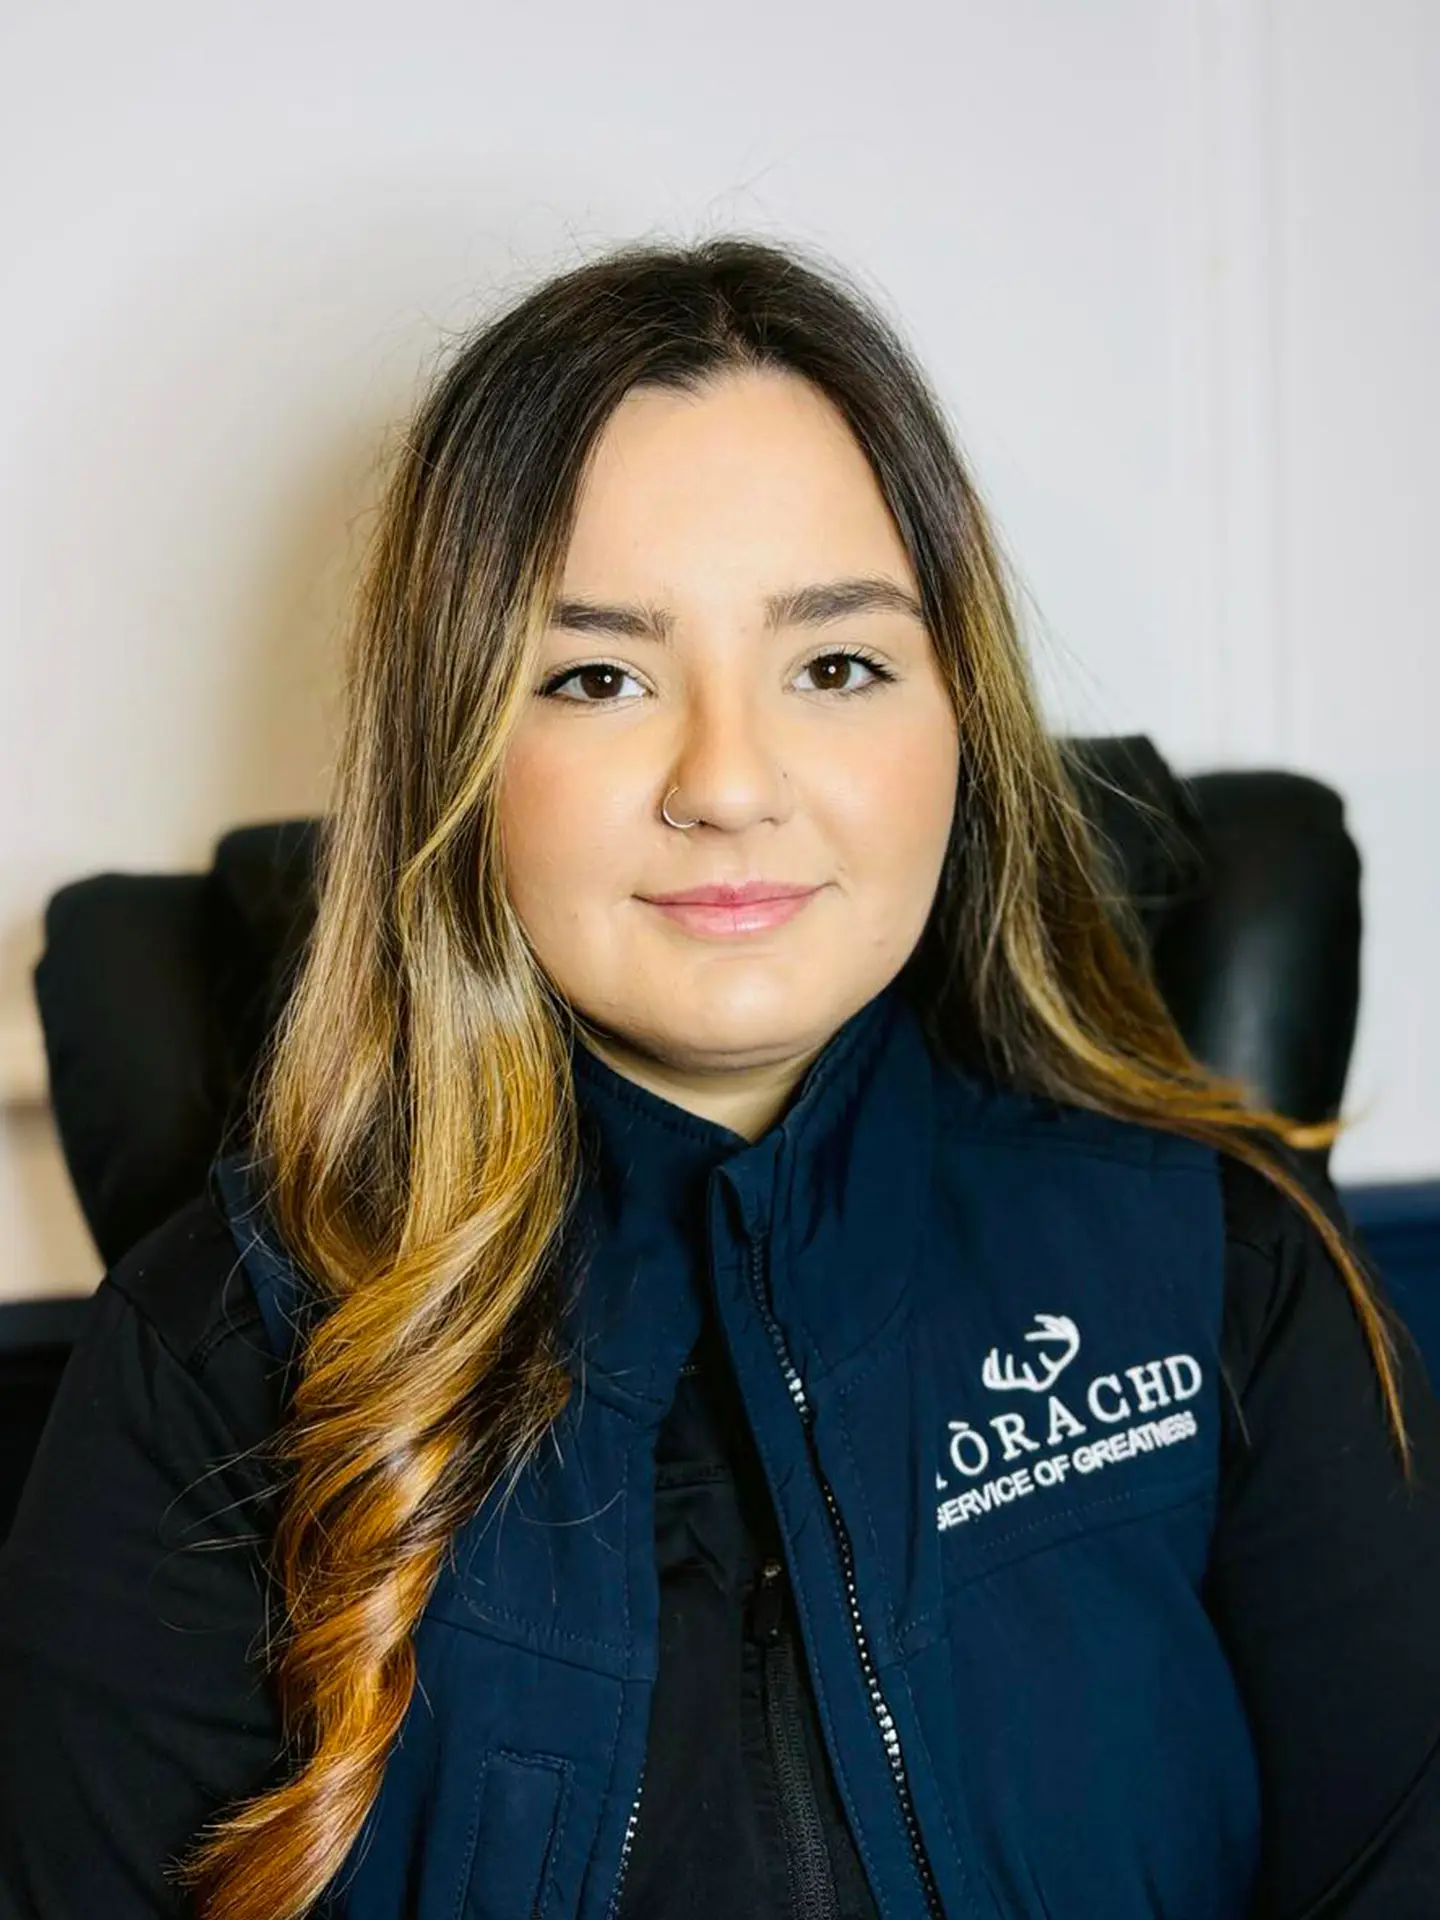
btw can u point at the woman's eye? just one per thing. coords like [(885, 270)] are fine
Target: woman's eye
[(600, 678), (601, 674), (829, 662)]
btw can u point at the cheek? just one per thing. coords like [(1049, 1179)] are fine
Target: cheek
[(557, 828), (898, 800)]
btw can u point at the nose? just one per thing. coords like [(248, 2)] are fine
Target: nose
[(729, 763)]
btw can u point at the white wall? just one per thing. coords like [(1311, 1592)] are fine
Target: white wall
[(1172, 262)]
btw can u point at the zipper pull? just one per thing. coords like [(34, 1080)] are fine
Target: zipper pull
[(768, 1603)]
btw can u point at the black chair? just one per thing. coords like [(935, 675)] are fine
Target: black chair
[(156, 992)]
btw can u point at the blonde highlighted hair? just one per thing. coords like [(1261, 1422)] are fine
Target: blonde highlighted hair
[(414, 1115)]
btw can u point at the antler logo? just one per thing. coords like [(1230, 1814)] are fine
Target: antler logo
[(1052, 1330)]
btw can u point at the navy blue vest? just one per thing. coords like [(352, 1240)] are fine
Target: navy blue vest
[(976, 1336)]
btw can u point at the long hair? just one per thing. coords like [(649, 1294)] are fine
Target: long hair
[(414, 1115)]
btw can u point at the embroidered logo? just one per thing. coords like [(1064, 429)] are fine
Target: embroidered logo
[(1150, 1388), (1050, 1329)]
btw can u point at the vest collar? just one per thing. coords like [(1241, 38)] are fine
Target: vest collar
[(837, 1183)]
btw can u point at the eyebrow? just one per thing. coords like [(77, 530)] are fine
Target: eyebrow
[(812, 606)]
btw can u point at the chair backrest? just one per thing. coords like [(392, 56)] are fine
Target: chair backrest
[(156, 992)]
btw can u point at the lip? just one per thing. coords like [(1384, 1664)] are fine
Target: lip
[(729, 896), (728, 919)]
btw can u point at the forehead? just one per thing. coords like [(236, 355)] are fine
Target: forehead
[(757, 473)]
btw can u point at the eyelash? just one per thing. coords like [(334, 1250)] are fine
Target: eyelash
[(883, 675)]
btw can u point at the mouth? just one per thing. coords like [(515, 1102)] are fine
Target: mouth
[(728, 919), (725, 894)]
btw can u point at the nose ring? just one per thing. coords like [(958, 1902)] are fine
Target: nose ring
[(684, 825)]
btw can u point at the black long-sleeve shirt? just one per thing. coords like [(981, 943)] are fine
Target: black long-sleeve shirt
[(134, 1702)]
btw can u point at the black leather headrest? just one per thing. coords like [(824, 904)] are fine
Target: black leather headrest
[(155, 992), (1261, 964)]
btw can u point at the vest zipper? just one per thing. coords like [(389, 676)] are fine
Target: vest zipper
[(883, 1717), (812, 1883), (625, 1846)]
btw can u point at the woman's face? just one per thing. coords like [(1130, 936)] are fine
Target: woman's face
[(680, 656)]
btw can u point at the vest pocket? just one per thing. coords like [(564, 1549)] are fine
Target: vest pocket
[(519, 1805)]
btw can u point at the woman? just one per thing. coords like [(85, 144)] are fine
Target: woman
[(811, 1403)]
